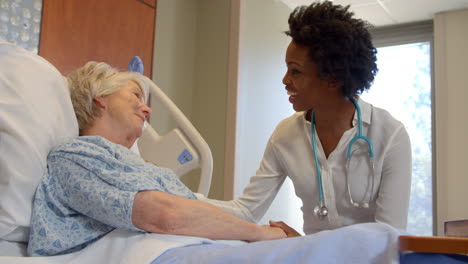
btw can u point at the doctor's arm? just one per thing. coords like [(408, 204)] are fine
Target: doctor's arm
[(395, 186), (160, 212), (262, 189)]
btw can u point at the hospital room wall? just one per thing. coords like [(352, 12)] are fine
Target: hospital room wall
[(262, 101), (190, 64), (451, 95)]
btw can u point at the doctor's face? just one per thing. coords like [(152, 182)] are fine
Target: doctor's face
[(303, 84)]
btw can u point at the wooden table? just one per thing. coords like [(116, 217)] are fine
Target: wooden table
[(434, 244)]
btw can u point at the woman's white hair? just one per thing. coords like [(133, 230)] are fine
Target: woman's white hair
[(97, 79)]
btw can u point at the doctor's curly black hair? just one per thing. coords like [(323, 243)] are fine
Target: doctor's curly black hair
[(339, 44)]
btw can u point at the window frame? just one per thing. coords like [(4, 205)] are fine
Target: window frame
[(409, 33)]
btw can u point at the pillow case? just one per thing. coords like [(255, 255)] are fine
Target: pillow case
[(35, 114)]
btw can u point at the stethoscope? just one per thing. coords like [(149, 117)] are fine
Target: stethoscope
[(321, 209)]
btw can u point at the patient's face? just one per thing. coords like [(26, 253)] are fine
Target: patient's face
[(127, 111)]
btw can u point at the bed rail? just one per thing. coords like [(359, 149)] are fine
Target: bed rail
[(182, 149)]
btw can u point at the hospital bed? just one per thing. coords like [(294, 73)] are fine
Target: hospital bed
[(36, 114)]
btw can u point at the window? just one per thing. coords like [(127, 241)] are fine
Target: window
[(403, 87)]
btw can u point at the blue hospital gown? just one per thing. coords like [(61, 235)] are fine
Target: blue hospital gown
[(89, 191)]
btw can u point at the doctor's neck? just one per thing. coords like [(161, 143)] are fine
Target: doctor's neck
[(331, 115)]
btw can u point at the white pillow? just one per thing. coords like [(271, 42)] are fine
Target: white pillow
[(35, 114)]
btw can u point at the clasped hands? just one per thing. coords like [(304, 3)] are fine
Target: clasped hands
[(289, 231)]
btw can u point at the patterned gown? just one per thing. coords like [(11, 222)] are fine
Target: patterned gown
[(89, 191)]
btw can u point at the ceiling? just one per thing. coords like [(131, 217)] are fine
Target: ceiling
[(392, 12)]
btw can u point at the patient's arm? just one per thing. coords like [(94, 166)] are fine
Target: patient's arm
[(159, 212)]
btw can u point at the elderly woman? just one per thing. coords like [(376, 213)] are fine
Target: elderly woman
[(95, 184)]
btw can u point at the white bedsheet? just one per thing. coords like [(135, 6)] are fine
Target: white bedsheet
[(363, 243), (117, 247)]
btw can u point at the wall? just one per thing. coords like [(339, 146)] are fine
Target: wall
[(190, 65), (211, 71), (261, 98), (451, 94), (174, 57)]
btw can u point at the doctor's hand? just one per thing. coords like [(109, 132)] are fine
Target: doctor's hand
[(290, 232), (270, 233)]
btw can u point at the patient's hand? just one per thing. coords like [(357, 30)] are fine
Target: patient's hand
[(270, 233), (290, 232)]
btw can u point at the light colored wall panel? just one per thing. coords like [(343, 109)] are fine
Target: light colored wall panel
[(211, 73), (262, 101), (174, 57), (190, 66), (451, 94)]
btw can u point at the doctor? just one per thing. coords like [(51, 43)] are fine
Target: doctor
[(350, 162)]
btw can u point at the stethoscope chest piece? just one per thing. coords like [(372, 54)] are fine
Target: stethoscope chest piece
[(321, 210)]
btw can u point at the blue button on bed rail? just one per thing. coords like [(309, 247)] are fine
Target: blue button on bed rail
[(185, 157)]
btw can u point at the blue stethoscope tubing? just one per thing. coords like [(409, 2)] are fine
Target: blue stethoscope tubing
[(321, 209)]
